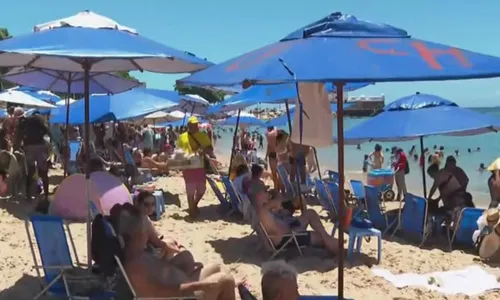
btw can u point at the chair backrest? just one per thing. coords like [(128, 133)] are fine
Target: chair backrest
[(334, 176), (231, 192), (467, 224), (129, 159), (74, 148), (323, 196), (358, 189), (414, 215), (217, 192), (333, 189), (372, 204), (285, 179), (52, 247)]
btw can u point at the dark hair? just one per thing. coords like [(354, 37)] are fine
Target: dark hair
[(95, 164), (241, 170), (378, 147), (366, 156), (256, 170), (270, 128), (433, 168), (142, 196), (146, 151)]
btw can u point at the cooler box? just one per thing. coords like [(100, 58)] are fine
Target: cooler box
[(381, 177)]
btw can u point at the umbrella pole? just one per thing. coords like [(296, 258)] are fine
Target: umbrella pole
[(86, 68), (340, 147), (184, 119), (423, 166), (234, 138), (66, 153)]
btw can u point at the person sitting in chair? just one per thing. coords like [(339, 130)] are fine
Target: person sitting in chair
[(450, 191), (152, 277), (278, 228), (149, 162)]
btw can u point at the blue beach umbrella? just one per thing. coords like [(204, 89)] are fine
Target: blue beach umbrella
[(180, 122), (192, 104), (269, 94), (283, 119), (340, 49), (90, 50), (123, 106), (245, 119), (70, 82), (420, 115)]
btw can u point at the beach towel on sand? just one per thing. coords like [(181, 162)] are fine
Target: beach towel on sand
[(471, 281)]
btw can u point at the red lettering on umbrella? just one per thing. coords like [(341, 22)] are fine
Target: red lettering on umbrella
[(430, 55), (252, 58), (371, 45)]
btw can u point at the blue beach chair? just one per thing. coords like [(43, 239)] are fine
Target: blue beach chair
[(220, 196), (74, 150), (333, 176), (324, 197), (465, 227), (234, 198), (380, 219), (285, 179), (56, 260), (414, 218)]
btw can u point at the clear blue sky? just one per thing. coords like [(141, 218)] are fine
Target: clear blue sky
[(222, 29)]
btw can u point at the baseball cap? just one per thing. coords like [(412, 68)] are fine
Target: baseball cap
[(193, 120)]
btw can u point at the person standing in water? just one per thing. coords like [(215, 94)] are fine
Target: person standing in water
[(377, 157), (271, 135)]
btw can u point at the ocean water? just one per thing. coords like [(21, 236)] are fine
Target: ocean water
[(489, 144)]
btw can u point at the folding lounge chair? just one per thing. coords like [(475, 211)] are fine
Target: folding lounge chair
[(291, 241), (376, 214), (324, 197), (285, 179), (56, 260), (220, 196), (333, 176), (234, 198), (414, 218), (465, 227)]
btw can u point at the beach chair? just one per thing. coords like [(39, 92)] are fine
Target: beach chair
[(358, 189), (234, 198), (376, 212), (465, 227), (414, 218), (324, 197), (333, 176), (220, 196), (56, 260), (285, 179)]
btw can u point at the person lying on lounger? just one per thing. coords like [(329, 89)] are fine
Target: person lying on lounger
[(150, 161), (277, 228), (152, 277)]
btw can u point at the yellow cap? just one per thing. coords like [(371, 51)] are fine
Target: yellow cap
[(495, 165), (193, 120)]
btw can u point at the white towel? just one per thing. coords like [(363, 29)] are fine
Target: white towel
[(471, 281)]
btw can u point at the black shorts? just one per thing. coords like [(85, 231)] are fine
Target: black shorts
[(303, 239)]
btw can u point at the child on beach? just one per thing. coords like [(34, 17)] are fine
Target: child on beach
[(366, 163)]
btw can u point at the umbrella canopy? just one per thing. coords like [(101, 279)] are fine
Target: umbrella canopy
[(341, 48), (161, 117), (23, 98), (62, 82), (181, 122), (283, 119), (246, 119), (128, 105), (420, 115), (269, 94), (70, 49), (37, 93), (187, 103), (63, 102), (86, 19)]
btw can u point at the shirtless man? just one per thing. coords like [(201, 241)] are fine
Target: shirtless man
[(151, 277), (149, 161), (277, 228), (271, 135)]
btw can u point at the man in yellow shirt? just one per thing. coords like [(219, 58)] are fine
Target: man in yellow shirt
[(195, 141)]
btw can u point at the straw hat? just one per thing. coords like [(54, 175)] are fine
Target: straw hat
[(494, 166), (491, 242)]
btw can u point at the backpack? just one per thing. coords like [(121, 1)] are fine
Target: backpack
[(407, 167)]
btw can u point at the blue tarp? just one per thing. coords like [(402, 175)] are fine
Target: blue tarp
[(132, 104), (421, 115), (341, 48), (269, 94), (283, 119)]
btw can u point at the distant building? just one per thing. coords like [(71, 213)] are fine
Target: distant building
[(363, 105)]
